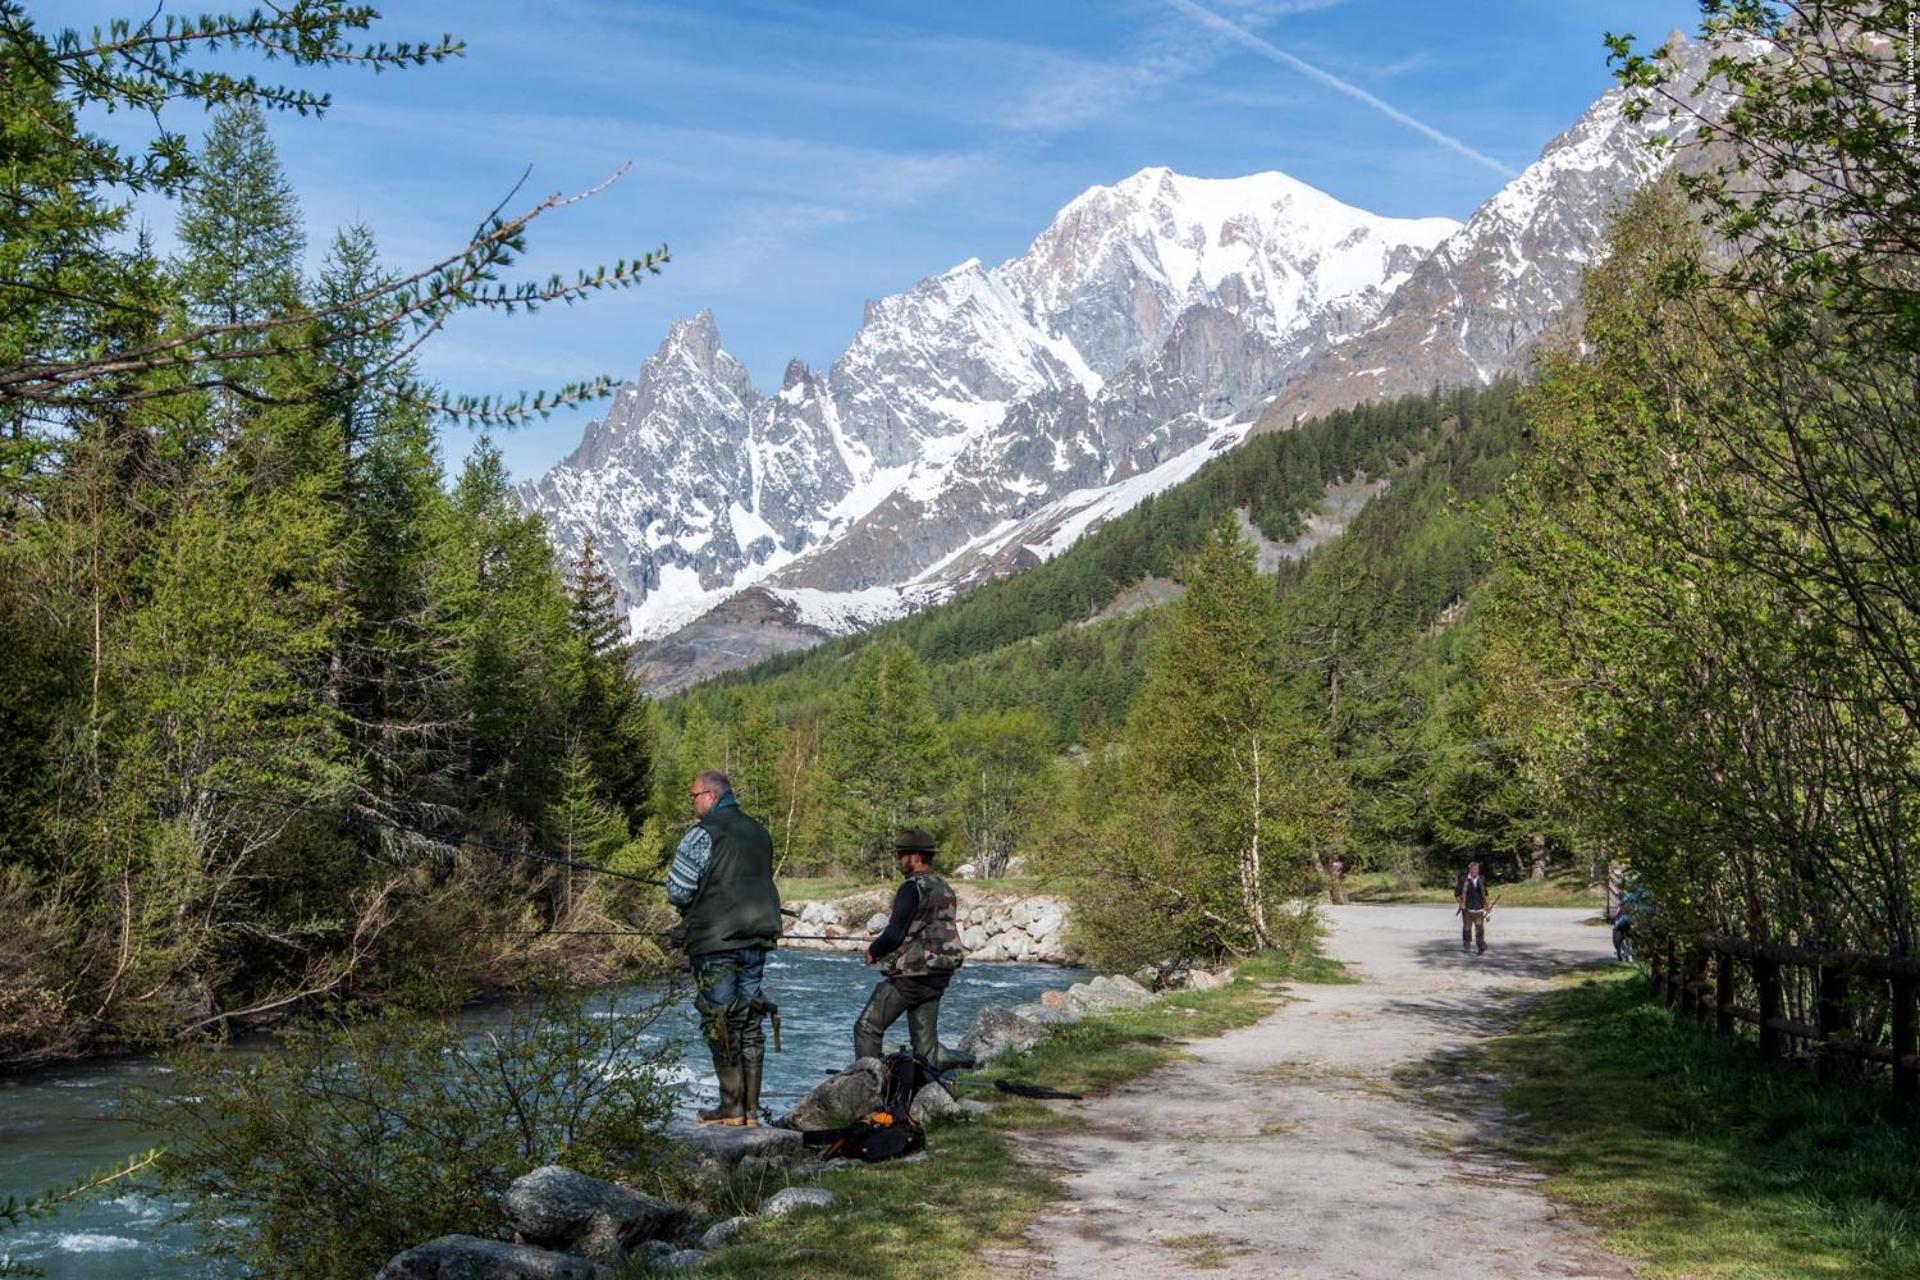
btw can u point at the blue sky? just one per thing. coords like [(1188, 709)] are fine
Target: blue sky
[(800, 158)]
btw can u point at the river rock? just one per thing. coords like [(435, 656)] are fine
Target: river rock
[(728, 1146), (557, 1208), (838, 1099), (788, 1199), (722, 1232), (998, 1030), (973, 937), (853, 1093), (876, 922), (471, 1258), (1054, 999), (1204, 980), (1117, 992)]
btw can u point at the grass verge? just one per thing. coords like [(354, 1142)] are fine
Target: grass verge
[(1698, 1159), (971, 1194)]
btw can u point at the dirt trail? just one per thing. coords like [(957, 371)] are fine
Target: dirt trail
[(1290, 1149)]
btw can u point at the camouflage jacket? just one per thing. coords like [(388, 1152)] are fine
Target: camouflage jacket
[(933, 937)]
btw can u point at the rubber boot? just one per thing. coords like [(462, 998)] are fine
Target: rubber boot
[(744, 1026), (923, 1023), (750, 1091), (732, 1088)]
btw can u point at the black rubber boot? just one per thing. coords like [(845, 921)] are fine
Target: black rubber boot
[(923, 1023), (750, 1091), (743, 1024), (732, 1088)]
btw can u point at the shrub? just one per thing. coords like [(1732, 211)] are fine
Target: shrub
[(351, 1143)]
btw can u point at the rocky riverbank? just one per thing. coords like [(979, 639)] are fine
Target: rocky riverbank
[(557, 1224), (994, 926)]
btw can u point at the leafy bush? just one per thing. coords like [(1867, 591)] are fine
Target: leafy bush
[(352, 1143)]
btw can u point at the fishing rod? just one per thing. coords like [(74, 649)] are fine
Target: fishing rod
[(660, 933)]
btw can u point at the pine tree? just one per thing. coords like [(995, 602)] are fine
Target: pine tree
[(241, 234), (887, 755), (611, 716)]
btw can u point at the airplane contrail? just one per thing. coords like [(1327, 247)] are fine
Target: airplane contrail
[(1275, 53)]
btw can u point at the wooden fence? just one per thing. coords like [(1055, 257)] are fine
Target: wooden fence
[(1806, 1003)]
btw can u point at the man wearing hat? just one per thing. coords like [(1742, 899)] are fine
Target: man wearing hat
[(918, 952)]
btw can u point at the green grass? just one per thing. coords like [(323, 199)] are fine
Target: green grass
[(931, 1217), (1384, 887), (971, 1194), (1698, 1159)]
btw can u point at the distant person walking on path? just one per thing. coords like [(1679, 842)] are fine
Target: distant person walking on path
[(918, 951), (1471, 901), (722, 883)]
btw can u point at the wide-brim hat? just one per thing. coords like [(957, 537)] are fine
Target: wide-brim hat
[(912, 840)]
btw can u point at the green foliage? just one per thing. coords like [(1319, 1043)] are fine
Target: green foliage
[(266, 676), (1006, 774), (1712, 578), (349, 1144), (1227, 797), (886, 756)]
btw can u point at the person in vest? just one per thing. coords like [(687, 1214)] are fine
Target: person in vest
[(722, 883), (1471, 902), (918, 952)]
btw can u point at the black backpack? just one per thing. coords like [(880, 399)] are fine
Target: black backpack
[(889, 1132)]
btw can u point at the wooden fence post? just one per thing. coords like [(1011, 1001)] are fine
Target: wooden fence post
[(1906, 1080), (1766, 976), (1723, 993), (1832, 1017)]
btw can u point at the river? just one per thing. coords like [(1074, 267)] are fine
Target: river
[(58, 1124)]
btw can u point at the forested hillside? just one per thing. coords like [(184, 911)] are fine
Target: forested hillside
[(1372, 630)]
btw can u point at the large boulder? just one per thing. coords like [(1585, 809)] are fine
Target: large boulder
[(472, 1258), (1119, 992), (846, 1096), (557, 1208), (838, 1099), (727, 1146), (998, 1030)]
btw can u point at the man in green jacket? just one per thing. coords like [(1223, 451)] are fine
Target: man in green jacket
[(722, 882), (918, 951)]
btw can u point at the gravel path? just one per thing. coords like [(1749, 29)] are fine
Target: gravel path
[(1296, 1148)]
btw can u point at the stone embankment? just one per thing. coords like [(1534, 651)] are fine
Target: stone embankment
[(993, 925)]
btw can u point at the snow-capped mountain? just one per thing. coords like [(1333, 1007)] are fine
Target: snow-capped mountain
[(1146, 312), (986, 418), (1480, 304)]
